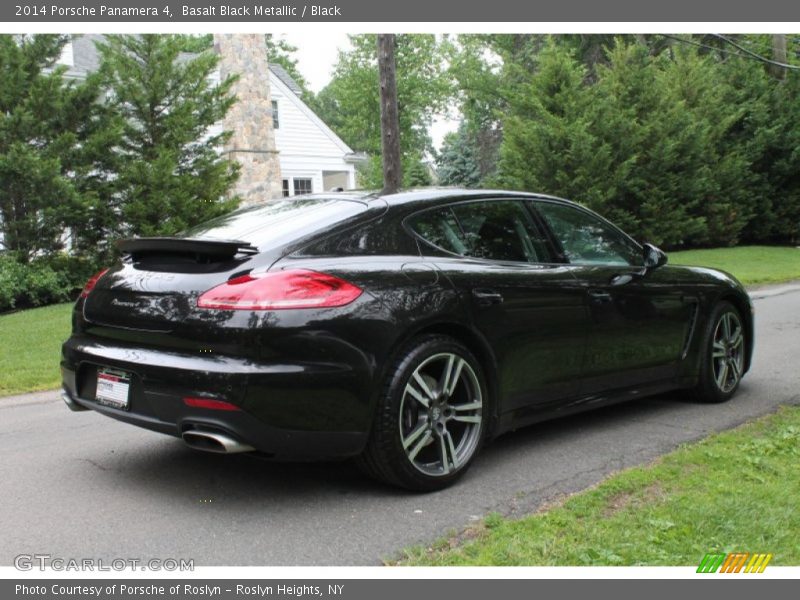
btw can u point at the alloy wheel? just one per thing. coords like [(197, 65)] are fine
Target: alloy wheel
[(441, 414), (727, 352)]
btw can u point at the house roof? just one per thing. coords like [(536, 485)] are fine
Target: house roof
[(86, 59), (287, 79)]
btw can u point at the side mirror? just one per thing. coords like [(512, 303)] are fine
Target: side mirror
[(653, 257)]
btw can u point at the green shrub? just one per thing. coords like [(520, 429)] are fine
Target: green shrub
[(40, 282)]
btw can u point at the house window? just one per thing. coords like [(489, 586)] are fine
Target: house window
[(275, 120), (285, 188), (302, 186)]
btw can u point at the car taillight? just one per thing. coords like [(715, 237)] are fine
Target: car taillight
[(297, 288), (92, 282)]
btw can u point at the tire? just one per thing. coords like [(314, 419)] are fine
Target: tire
[(431, 416), (722, 358)]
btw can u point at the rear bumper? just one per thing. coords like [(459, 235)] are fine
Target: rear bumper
[(288, 410)]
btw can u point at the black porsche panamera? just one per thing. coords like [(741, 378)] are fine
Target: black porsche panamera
[(403, 330)]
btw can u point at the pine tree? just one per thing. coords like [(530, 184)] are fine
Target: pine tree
[(648, 141), (54, 138), (457, 163), (548, 145), (658, 174), (416, 172), (170, 174)]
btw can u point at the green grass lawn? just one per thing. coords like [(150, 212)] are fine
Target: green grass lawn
[(30, 348), (734, 491), (750, 264)]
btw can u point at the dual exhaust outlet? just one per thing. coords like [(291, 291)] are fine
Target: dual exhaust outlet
[(217, 442), (207, 440)]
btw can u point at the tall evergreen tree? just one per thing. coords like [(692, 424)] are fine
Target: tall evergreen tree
[(662, 143), (777, 160), (457, 163), (548, 145), (54, 139), (416, 172), (170, 174)]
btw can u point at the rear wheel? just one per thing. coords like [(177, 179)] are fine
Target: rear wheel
[(723, 358), (431, 416)]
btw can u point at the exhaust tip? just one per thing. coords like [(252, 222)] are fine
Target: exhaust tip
[(214, 441), (71, 404)]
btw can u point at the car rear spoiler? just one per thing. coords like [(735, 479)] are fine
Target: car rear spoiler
[(171, 245)]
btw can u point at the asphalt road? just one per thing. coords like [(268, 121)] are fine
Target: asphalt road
[(78, 485)]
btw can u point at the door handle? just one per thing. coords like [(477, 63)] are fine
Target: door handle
[(621, 279), (599, 296), (486, 297)]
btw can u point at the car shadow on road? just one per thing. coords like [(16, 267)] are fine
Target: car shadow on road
[(653, 409), (169, 468)]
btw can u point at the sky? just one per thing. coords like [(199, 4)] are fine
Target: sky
[(316, 55)]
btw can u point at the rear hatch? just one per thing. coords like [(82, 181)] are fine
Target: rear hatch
[(156, 286)]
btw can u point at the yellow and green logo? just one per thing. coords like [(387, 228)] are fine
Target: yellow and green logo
[(735, 562)]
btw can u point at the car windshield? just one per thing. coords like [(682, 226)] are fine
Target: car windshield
[(277, 221)]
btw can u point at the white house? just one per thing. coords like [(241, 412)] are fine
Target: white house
[(312, 157)]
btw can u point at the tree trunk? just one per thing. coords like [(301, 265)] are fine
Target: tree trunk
[(390, 124), (778, 55)]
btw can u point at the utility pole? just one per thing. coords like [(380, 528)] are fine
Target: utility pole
[(778, 55), (390, 123)]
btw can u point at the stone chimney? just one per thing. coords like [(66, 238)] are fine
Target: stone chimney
[(252, 144)]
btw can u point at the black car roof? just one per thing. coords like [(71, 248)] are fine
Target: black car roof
[(423, 196)]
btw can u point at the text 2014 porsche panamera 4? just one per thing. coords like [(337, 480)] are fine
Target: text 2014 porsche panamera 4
[(404, 330)]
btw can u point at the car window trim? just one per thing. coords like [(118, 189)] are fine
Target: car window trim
[(449, 206), (554, 246)]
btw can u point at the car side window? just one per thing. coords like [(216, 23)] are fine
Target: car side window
[(440, 228), (493, 230), (586, 239)]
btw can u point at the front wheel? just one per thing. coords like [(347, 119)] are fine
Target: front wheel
[(431, 416), (723, 359)]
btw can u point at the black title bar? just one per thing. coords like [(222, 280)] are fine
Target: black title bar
[(441, 11)]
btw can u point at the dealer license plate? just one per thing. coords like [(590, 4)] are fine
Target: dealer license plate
[(113, 388)]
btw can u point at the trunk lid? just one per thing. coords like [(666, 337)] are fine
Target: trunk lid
[(155, 288)]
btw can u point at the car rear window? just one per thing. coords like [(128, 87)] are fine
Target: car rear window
[(277, 221)]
